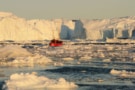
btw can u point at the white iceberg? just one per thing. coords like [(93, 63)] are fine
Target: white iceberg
[(19, 29)]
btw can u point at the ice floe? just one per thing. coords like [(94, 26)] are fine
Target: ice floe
[(12, 51), (123, 73), (31, 81), (15, 55)]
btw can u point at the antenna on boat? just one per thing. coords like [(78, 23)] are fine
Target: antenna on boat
[(54, 42), (56, 28), (53, 37)]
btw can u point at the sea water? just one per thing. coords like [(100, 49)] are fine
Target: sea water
[(93, 67)]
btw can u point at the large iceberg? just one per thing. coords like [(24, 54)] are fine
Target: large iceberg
[(17, 29)]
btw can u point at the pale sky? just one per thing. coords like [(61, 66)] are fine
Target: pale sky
[(70, 9)]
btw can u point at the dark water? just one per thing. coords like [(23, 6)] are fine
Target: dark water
[(95, 77), (1, 84)]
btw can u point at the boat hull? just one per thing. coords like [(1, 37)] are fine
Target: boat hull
[(55, 43)]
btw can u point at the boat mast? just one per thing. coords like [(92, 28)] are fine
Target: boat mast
[(52, 26), (57, 28)]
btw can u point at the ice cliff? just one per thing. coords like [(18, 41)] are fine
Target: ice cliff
[(16, 28)]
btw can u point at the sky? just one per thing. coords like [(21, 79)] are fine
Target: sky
[(69, 9)]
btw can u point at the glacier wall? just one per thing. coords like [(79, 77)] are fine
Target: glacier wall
[(16, 28)]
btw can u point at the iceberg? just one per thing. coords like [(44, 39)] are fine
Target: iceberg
[(15, 28)]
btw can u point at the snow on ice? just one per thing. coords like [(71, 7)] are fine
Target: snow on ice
[(27, 81)]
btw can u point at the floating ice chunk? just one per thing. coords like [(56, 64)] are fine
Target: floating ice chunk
[(32, 81), (68, 59), (85, 58), (28, 60), (115, 72), (107, 60), (12, 51), (123, 73), (31, 60)]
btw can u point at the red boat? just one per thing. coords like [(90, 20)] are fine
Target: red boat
[(55, 43)]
